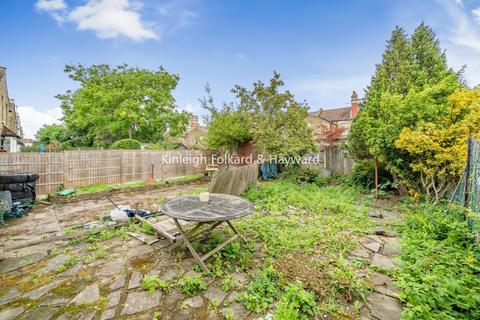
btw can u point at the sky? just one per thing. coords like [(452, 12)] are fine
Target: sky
[(323, 49)]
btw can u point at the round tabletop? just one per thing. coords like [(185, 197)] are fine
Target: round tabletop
[(220, 207)]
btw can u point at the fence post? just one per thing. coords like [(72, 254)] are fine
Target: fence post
[(121, 167), (324, 158), (65, 169), (467, 172)]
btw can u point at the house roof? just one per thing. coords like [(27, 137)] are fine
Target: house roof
[(7, 132), (335, 114)]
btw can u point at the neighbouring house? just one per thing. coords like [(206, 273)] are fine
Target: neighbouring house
[(193, 137), (11, 132), (27, 142), (337, 117)]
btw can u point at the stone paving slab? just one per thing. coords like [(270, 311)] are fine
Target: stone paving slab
[(11, 313), (384, 307), (90, 294), (141, 301)]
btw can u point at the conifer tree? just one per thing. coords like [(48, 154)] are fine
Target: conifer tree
[(408, 65), (429, 61)]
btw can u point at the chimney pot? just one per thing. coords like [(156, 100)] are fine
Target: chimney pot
[(354, 101)]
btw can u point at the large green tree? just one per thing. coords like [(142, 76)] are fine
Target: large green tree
[(409, 65), (120, 102), (272, 119), (51, 133)]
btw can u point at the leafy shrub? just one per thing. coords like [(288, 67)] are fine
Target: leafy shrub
[(439, 274), (363, 174), (296, 303), (151, 283), (164, 145), (190, 285), (32, 148), (126, 144), (262, 290)]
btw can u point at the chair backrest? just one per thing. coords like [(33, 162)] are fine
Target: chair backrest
[(235, 180)]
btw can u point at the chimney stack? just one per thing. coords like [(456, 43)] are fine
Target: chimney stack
[(355, 108), (193, 123)]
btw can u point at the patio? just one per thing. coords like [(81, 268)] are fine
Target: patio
[(100, 276)]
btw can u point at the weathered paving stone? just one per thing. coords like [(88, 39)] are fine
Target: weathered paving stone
[(9, 296), (135, 280), (375, 214), (54, 263), (385, 233), (11, 313), (54, 300), (360, 253), (113, 299), (111, 268), (141, 301), (384, 307), (215, 294), (44, 313), (383, 261), (169, 275), (391, 247), (182, 314), (41, 291), (118, 283), (139, 251), (194, 302), (237, 309), (88, 315), (191, 273), (11, 264), (109, 314), (383, 284), (89, 294), (72, 271), (173, 299), (240, 277), (233, 296), (374, 246)]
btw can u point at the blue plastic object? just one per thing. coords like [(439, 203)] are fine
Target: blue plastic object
[(269, 170)]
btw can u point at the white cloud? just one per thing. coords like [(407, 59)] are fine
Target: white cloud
[(56, 8), (111, 19), (50, 5), (33, 119), (476, 14), (463, 35), (107, 18)]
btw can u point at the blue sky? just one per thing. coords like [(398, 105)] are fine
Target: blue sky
[(323, 49)]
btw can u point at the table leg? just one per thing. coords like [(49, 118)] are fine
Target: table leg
[(236, 231), (190, 247)]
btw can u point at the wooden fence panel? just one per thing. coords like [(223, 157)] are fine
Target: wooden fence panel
[(333, 159), (338, 161), (81, 168)]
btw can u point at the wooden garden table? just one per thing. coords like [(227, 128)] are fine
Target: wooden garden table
[(221, 208)]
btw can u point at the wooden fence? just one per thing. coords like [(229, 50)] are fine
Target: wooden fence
[(81, 168), (333, 159)]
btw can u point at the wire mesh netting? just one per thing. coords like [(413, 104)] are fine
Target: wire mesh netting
[(467, 192)]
